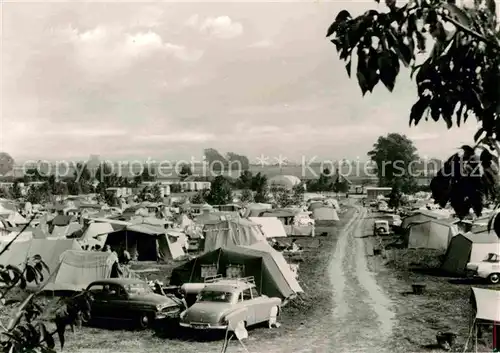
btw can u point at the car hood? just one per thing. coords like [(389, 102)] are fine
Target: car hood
[(154, 299), (206, 312)]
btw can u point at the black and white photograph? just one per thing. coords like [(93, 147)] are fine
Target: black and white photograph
[(287, 176)]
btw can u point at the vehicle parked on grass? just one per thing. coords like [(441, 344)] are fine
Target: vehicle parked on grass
[(236, 301), (133, 300), (381, 227), (488, 269)]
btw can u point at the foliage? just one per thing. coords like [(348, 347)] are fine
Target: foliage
[(285, 197), (5, 193), (237, 161), (38, 194), (157, 193), (185, 171), (25, 332), (220, 191), (199, 198), (245, 180), (396, 196), (460, 77), (323, 183), (246, 195), (175, 188), (341, 184), (16, 190), (394, 156)]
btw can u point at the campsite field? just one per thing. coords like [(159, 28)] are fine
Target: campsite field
[(298, 320), (444, 306)]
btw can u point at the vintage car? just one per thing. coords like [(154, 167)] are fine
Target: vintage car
[(381, 227), (229, 303), (133, 300), (488, 269)]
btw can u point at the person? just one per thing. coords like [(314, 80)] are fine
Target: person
[(107, 249), (126, 257), (97, 247), (294, 246)]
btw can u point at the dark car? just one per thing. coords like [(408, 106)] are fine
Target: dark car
[(133, 300)]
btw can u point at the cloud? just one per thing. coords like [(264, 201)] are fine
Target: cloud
[(179, 137), (219, 27), (265, 43), (108, 49)]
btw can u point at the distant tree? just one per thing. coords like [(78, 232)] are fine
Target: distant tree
[(394, 155), (283, 197), (185, 171), (246, 195), (175, 188), (157, 193), (245, 180), (396, 196), (199, 198), (298, 194), (216, 161), (33, 174), (148, 173), (237, 161), (16, 190), (74, 188), (220, 191), (259, 183)]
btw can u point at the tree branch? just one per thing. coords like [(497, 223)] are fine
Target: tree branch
[(470, 31)]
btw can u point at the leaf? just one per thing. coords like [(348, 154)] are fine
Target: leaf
[(478, 134), (348, 68), (389, 69), (418, 110), (421, 41)]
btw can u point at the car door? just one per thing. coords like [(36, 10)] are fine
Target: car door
[(261, 309), (98, 306), (249, 303), (116, 303)]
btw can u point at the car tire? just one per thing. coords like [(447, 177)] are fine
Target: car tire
[(85, 317), (144, 321), (494, 278), (273, 317)]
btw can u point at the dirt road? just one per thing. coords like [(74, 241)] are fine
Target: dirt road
[(360, 319)]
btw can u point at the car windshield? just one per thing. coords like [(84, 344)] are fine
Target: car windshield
[(138, 288), (215, 296), (491, 258)]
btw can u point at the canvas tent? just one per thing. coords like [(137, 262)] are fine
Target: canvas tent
[(96, 234), (270, 226), (272, 278), (325, 214), (147, 242), (78, 268), (433, 234), (469, 247), (485, 311), (421, 216), (231, 232), (49, 249)]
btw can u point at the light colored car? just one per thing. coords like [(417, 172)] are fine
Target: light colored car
[(488, 269), (230, 303), (381, 227)]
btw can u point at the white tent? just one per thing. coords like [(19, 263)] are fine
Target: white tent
[(272, 227), (95, 234), (432, 234)]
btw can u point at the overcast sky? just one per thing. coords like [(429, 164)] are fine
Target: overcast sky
[(166, 80)]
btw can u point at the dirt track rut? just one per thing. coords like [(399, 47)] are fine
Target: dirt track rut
[(360, 319)]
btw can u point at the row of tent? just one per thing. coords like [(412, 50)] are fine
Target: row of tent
[(429, 230), (72, 269)]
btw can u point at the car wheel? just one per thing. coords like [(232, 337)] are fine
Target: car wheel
[(85, 317), (273, 317), (494, 278), (144, 321)]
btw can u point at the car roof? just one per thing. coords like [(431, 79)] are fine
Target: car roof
[(119, 281)]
